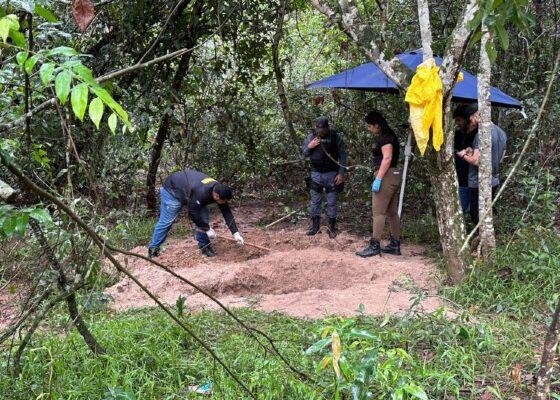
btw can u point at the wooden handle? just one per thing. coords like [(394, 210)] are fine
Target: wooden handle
[(247, 243)]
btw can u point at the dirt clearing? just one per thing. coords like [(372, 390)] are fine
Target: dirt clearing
[(302, 276)]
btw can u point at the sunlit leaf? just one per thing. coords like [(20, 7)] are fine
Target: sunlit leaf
[(79, 100), (62, 84), (112, 122), (336, 351), (30, 64), (21, 57), (96, 111), (46, 73)]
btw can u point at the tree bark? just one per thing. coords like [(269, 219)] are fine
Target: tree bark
[(278, 73), (444, 177), (487, 238), (547, 363), (163, 131)]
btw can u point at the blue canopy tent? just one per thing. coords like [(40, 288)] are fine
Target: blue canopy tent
[(369, 77)]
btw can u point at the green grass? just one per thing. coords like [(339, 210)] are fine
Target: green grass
[(149, 357), (502, 311)]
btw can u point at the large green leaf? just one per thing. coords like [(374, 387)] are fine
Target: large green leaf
[(84, 73), (79, 100), (5, 28), (30, 64), (317, 346), (45, 13), (415, 391), (62, 84), (46, 73), (41, 214), (62, 50), (21, 57), (96, 111), (111, 103)]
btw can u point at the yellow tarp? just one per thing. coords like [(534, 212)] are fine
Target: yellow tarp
[(425, 98)]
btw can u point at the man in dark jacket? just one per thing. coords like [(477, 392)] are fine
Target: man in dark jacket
[(196, 191), (325, 149), (463, 140)]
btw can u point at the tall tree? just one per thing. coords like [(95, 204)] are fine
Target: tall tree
[(487, 238)]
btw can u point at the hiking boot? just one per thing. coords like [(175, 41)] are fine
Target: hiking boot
[(394, 247), (208, 251), (332, 228), (372, 250), (315, 226), (153, 252)]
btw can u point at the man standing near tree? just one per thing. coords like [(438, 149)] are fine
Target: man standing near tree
[(472, 156), (196, 190), (327, 156)]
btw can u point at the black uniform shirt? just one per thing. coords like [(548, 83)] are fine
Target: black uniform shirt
[(194, 189), (382, 140)]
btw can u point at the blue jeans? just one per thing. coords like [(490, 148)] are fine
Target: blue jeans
[(169, 209), (464, 197)]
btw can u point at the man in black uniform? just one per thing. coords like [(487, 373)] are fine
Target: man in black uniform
[(463, 140), (196, 191), (327, 157)]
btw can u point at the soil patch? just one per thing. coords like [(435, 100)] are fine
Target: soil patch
[(301, 275)]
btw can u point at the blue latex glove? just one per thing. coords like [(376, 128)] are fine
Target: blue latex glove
[(376, 185)]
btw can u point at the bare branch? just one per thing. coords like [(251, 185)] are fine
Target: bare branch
[(350, 22), (425, 29)]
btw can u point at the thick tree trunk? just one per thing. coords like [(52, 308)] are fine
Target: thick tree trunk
[(549, 353), (163, 131), (487, 238), (444, 177), (279, 74)]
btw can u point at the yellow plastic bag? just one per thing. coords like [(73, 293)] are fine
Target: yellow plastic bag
[(425, 98)]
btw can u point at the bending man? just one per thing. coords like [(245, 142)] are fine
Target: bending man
[(196, 191)]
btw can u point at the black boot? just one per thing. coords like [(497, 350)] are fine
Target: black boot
[(332, 228), (394, 247), (315, 226), (372, 250), (207, 251), (153, 252)]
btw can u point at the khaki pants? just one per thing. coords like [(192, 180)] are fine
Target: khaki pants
[(385, 204)]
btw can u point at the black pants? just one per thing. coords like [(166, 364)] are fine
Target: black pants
[(473, 202)]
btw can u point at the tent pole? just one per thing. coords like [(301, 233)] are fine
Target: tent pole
[(407, 154)]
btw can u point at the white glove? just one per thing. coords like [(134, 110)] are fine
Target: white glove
[(211, 234), (238, 238)]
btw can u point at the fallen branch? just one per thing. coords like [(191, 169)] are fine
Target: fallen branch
[(281, 219)]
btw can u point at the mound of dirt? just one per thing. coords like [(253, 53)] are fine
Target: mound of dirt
[(301, 276)]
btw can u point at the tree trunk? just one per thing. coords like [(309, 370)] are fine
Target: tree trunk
[(547, 363), (163, 131), (487, 238), (444, 177), (279, 74)]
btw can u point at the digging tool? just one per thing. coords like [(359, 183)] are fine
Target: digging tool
[(281, 219), (247, 244)]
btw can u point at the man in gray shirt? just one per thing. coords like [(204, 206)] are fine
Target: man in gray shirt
[(472, 156)]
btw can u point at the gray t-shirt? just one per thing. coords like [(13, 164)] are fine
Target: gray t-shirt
[(499, 141)]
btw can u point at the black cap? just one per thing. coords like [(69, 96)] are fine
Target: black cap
[(322, 124)]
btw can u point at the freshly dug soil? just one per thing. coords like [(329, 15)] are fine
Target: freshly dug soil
[(301, 276)]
